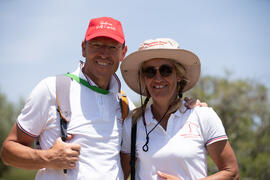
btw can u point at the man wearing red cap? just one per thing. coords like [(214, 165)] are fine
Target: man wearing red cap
[(93, 144)]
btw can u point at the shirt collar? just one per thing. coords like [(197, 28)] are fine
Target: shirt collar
[(149, 117), (114, 87)]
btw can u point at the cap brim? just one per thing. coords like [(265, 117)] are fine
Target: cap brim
[(104, 34), (130, 65)]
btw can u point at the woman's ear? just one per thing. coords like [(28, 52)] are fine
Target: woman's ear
[(178, 79)]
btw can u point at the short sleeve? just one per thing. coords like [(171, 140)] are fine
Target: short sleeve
[(126, 136), (212, 127), (34, 115)]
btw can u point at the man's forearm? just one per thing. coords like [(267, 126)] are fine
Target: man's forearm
[(17, 152), (21, 156)]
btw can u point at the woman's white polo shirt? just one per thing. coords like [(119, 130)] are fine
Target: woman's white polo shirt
[(180, 150)]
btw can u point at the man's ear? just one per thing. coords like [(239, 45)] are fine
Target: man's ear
[(84, 48), (124, 53)]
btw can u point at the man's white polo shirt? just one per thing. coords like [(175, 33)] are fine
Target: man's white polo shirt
[(180, 150), (96, 124)]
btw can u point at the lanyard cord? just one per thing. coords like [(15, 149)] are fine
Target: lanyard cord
[(145, 146), (87, 84)]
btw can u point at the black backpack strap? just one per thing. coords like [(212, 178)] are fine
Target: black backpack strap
[(63, 102), (133, 150)]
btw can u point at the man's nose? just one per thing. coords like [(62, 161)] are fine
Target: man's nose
[(104, 51)]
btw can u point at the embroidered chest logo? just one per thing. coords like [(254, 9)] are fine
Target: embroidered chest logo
[(190, 130)]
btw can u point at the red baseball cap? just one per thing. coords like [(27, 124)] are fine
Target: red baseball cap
[(105, 27)]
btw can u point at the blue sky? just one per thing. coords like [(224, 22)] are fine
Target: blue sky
[(43, 38)]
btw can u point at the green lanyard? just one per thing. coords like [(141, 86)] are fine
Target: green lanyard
[(85, 83)]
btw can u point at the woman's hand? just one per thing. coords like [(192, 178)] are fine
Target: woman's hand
[(167, 176), (192, 103)]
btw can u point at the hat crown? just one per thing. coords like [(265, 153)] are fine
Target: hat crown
[(105, 26), (160, 43)]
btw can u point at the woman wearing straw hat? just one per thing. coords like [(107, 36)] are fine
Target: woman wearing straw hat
[(171, 142)]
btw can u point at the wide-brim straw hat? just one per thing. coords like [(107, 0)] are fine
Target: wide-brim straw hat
[(160, 48)]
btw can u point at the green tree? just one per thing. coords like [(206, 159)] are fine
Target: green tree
[(7, 115), (243, 106)]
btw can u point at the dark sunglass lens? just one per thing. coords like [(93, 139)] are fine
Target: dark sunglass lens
[(165, 70), (149, 72)]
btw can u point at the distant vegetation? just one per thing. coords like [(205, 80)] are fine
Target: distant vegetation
[(244, 109)]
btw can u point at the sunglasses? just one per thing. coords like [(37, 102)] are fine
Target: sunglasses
[(164, 70)]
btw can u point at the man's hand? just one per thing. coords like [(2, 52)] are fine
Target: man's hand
[(63, 155), (192, 103), (167, 176)]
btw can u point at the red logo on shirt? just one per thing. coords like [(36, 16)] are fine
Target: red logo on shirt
[(190, 130)]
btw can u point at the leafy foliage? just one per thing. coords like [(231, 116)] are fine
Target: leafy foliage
[(21, 174), (6, 118), (8, 115), (243, 106)]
